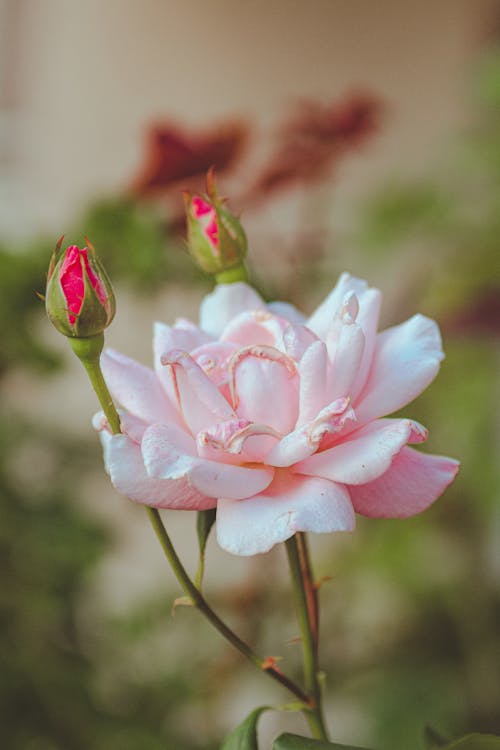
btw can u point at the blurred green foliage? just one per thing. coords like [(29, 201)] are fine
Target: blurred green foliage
[(411, 621)]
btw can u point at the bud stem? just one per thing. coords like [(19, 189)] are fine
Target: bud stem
[(238, 273), (88, 350)]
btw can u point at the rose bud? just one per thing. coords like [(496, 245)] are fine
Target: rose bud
[(79, 297), (215, 236)]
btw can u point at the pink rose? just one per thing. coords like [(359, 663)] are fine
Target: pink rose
[(275, 418)]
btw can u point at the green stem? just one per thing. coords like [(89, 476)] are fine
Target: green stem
[(202, 605), (301, 582), (88, 351), (238, 273)]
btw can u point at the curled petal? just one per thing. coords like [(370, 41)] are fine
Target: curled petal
[(125, 466), (305, 440), (321, 320), (313, 370), (345, 352), (291, 503), (136, 388), (200, 401), (213, 358), (296, 340), (366, 453), (367, 319), (165, 458), (406, 359), (237, 441), (224, 303), (264, 387), (412, 483)]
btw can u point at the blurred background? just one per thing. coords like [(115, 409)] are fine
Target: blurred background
[(355, 136)]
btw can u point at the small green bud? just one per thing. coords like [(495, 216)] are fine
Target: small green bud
[(79, 299), (216, 238)]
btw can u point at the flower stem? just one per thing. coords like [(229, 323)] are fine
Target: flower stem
[(202, 605), (89, 352), (305, 603)]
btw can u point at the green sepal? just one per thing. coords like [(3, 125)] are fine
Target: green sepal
[(205, 519), (295, 742), (244, 737)]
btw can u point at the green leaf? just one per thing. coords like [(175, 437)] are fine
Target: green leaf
[(295, 742), (205, 519), (244, 737), (476, 742)]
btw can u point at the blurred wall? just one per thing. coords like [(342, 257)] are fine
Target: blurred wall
[(81, 80)]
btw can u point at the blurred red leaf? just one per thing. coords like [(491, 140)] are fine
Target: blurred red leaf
[(174, 154)]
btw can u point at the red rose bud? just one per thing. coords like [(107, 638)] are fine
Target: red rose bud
[(216, 238), (79, 297)]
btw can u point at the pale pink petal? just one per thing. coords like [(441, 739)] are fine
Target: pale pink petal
[(236, 441), (287, 311), (224, 303), (164, 458), (305, 440), (125, 466), (213, 358), (365, 454), (313, 372), (130, 425), (345, 356), (367, 319), (296, 341), (322, 318), (290, 504), (412, 483), (200, 401), (183, 335), (406, 359), (265, 387), (136, 388), (256, 327)]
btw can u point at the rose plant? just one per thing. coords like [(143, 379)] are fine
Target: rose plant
[(267, 422)]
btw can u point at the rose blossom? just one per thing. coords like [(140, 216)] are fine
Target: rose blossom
[(275, 418)]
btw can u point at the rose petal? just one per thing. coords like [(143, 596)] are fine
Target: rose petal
[(287, 311), (365, 454), (125, 466), (265, 387), (199, 400), (406, 359), (306, 439), (412, 483), (367, 319), (136, 388), (290, 504), (131, 426), (313, 371), (224, 303), (322, 318), (165, 458), (256, 327)]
